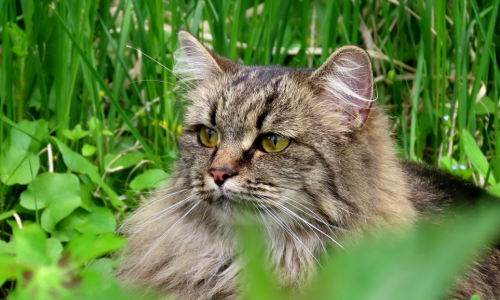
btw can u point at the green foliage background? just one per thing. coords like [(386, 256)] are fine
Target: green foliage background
[(88, 123)]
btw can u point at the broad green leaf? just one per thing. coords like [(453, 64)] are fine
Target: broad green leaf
[(80, 252), (16, 166), (85, 194), (54, 249), (23, 139), (65, 230), (125, 161), (3, 247), (79, 164), (100, 220), (31, 246), (103, 265), (484, 106), (150, 179), (88, 150), (476, 156), (108, 158), (58, 194), (75, 161)]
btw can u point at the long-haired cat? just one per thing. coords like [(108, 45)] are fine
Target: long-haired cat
[(307, 151)]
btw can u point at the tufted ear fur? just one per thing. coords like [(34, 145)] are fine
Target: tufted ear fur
[(195, 61), (345, 80)]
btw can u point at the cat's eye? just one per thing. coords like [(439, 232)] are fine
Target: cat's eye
[(208, 137), (274, 143)]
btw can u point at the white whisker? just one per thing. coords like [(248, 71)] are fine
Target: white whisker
[(163, 235), (146, 206), (283, 225), (159, 215)]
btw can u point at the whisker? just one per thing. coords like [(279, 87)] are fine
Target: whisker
[(146, 206), (287, 229), (314, 215), (152, 59), (306, 222), (277, 205), (159, 215), (263, 221), (163, 235)]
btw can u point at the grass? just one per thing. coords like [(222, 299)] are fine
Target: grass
[(75, 99)]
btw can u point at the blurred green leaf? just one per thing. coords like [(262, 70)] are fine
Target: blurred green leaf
[(80, 252), (150, 179), (30, 247), (448, 163), (485, 106), (125, 161), (3, 247), (258, 277), (100, 220), (21, 140), (421, 264), (76, 134), (476, 156), (54, 249), (19, 41), (16, 166), (88, 150), (65, 230), (59, 194)]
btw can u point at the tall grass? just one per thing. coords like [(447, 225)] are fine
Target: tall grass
[(66, 65)]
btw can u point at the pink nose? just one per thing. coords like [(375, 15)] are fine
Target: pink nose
[(220, 175)]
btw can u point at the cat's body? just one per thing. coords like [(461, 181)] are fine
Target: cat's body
[(334, 175)]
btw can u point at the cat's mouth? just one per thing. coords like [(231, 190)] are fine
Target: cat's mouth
[(224, 197)]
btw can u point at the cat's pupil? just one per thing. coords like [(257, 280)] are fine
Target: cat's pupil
[(275, 140)]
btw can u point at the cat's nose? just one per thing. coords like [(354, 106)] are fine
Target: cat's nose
[(221, 175)]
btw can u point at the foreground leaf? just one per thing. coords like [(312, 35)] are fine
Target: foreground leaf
[(16, 166), (59, 194)]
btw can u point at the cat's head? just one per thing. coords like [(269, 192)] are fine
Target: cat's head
[(278, 138)]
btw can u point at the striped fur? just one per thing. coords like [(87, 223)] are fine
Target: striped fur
[(338, 177)]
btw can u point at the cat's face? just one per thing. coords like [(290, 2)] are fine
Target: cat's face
[(266, 137)]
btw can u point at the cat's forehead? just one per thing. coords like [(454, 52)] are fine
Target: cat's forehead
[(243, 103)]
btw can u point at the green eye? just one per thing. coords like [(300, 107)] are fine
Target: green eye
[(274, 143), (208, 137)]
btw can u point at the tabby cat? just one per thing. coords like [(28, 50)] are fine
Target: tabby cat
[(307, 151)]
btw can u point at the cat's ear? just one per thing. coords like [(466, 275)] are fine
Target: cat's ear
[(198, 61), (345, 81)]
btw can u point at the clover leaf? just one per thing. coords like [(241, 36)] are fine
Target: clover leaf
[(58, 194), (16, 166)]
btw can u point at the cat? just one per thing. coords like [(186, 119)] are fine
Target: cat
[(309, 150)]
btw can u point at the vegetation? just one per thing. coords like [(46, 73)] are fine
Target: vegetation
[(88, 124)]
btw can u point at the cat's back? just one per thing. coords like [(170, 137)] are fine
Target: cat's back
[(435, 192)]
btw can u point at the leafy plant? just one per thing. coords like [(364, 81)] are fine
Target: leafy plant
[(87, 124)]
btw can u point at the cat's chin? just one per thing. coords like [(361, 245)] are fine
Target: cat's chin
[(231, 206)]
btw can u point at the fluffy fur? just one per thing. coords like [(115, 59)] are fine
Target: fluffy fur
[(338, 177)]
